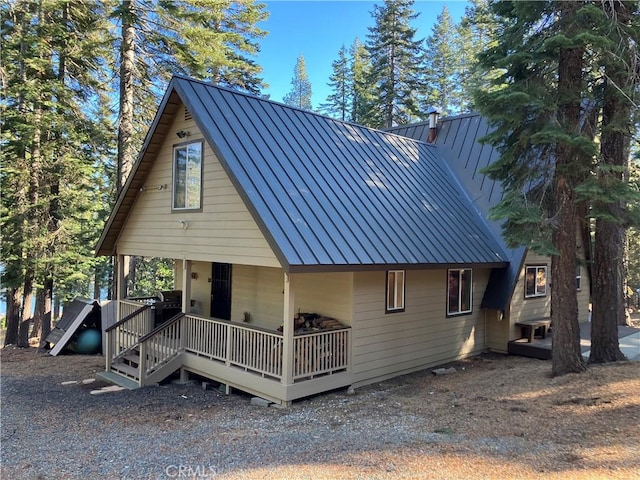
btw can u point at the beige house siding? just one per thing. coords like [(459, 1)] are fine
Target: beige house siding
[(257, 290), (224, 231), (497, 331), (385, 345), (522, 308), (327, 294)]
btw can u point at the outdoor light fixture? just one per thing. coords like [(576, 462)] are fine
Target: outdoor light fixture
[(182, 134)]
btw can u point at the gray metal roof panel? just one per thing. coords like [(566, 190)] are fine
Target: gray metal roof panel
[(327, 192), (458, 141)]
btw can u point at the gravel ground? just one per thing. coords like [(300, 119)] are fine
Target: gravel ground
[(495, 417)]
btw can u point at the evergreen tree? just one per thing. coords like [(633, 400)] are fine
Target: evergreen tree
[(213, 40), (618, 25), (362, 96), (339, 100), (50, 59), (441, 64), (474, 33), (300, 94), (537, 67), (396, 59)]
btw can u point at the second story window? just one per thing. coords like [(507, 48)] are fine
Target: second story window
[(187, 177)]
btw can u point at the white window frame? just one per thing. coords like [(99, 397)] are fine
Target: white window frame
[(197, 174), (459, 291), (539, 291), (395, 291)]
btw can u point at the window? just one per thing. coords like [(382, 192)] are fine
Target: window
[(187, 176), (579, 277), (395, 291), (459, 291), (535, 281)]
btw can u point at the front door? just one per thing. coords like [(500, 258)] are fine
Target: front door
[(221, 291)]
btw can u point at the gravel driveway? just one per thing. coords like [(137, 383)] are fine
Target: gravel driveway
[(495, 417)]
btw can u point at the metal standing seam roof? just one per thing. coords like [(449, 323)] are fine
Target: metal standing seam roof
[(330, 195), (458, 141)]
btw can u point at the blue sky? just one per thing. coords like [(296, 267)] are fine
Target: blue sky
[(318, 29)]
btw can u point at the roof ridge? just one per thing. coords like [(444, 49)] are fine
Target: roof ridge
[(282, 104)]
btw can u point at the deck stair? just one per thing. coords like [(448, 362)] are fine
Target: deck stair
[(136, 358)]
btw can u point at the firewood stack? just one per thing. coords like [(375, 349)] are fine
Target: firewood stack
[(312, 322)]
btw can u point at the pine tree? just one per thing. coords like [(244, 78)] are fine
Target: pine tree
[(441, 64), (474, 33), (50, 57), (300, 94), (619, 29), (396, 59), (213, 40), (537, 67), (339, 101), (362, 96)]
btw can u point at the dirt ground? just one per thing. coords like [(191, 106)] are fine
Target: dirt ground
[(497, 416)]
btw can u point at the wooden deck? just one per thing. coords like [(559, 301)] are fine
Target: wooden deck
[(541, 347)]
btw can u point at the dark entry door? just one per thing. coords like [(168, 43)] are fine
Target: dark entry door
[(221, 291)]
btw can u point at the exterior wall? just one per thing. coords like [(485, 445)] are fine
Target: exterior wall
[(522, 308), (328, 294), (257, 290), (387, 345), (584, 299), (224, 231), (498, 329)]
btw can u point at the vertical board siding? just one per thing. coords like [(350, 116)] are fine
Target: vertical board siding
[(223, 231), (385, 345)]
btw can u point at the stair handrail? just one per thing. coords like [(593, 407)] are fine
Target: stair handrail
[(144, 340), (127, 318), (161, 327)]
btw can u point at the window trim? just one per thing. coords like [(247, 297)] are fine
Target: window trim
[(176, 147), (401, 308), (536, 294), (459, 292)]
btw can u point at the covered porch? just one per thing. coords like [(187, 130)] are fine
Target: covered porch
[(280, 366)]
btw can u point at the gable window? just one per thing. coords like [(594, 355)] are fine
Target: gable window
[(395, 291), (535, 281), (187, 176), (459, 286)]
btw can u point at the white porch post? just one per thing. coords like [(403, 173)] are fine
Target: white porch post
[(122, 272), (186, 285), (287, 331), (186, 306)]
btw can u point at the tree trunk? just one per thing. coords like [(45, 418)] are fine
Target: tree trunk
[(14, 306), (127, 70), (566, 354), (26, 315)]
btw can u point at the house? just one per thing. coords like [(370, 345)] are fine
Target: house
[(310, 254), (519, 293)]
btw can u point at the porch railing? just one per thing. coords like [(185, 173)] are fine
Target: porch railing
[(252, 349), (320, 353), (260, 351)]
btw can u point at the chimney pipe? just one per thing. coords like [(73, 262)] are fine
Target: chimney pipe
[(433, 126)]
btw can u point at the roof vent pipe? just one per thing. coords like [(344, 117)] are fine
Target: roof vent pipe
[(433, 125)]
